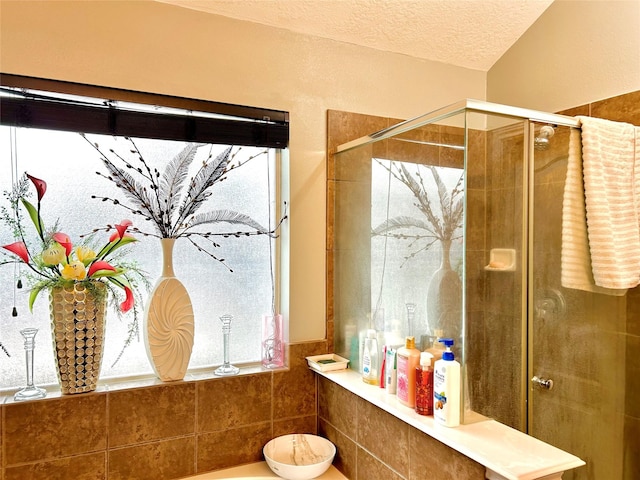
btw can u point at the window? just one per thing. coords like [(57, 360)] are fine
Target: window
[(244, 285)]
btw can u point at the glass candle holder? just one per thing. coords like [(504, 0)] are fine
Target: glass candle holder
[(29, 392), (272, 341), (226, 368)]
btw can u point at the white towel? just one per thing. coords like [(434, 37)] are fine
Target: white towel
[(601, 203)]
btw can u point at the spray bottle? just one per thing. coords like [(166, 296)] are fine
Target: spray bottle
[(446, 388)]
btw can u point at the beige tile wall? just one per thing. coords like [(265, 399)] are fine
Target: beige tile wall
[(161, 432)]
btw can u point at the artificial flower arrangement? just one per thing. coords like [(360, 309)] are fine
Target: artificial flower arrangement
[(53, 260)]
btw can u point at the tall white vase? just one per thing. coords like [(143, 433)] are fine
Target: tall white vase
[(444, 298), (168, 322)]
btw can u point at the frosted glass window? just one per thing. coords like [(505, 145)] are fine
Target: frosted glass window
[(242, 286)]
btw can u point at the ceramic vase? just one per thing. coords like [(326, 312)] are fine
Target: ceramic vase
[(444, 297), (168, 322), (78, 314)]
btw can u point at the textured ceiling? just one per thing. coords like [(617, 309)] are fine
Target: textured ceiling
[(467, 33)]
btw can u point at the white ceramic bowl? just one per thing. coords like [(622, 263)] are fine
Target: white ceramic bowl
[(299, 456)]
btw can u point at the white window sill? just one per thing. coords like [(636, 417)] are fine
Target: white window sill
[(506, 453)]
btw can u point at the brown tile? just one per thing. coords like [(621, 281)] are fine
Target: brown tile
[(308, 424), (450, 157), (432, 459), (375, 424), (343, 127), (148, 414), (631, 446), (232, 402), (346, 449), (337, 406), (632, 370), (84, 467), (575, 111), (60, 427), (370, 468), (163, 460), (232, 447), (633, 311), (294, 392), (623, 108)]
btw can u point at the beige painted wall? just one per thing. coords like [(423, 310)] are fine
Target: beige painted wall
[(576, 53), (164, 49)]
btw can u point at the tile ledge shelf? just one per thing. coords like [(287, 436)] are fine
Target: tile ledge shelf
[(106, 385), (506, 453)]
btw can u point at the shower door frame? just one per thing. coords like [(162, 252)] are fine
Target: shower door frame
[(528, 117)]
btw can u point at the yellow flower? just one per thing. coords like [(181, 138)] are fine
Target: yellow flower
[(74, 271), (85, 254), (53, 255)]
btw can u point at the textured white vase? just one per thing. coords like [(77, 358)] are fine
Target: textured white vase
[(168, 322)]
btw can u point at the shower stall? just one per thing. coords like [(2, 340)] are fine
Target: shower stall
[(450, 225)]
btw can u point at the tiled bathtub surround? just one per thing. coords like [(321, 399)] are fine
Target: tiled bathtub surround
[(160, 432)]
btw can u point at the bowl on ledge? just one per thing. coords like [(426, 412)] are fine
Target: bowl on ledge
[(299, 456)]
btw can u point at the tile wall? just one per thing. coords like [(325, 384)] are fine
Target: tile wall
[(374, 445), (161, 432)]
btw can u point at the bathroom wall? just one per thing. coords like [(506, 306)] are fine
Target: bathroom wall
[(159, 48), (578, 51), (374, 445), (161, 432)]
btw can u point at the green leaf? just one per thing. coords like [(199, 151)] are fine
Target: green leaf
[(33, 295), (35, 217)]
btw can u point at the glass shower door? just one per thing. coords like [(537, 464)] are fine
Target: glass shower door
[(574, 394)]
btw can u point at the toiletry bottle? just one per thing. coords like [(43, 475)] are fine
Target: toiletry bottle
[(436, 348), (370, 358), (391, 371), (446, 388), (424, 385), (407, 361)]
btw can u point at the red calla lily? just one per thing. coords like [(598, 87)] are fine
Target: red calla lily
[(122, 227), (20, 249), (64, 240), (128, 302), (99, 265), (41, 186)]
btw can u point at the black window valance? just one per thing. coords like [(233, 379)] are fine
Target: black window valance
[(39, 103)]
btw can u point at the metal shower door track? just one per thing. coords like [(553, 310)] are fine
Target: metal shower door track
[(468, 105)]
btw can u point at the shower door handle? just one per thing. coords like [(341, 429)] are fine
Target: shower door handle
[(542, 383)]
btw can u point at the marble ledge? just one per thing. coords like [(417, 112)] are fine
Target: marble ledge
[(506, 453)]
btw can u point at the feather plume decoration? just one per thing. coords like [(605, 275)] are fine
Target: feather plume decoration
[(230, 217), (440, 226), (173, 179), (170, 200)]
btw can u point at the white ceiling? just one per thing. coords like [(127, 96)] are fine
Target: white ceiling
[(467, 33)]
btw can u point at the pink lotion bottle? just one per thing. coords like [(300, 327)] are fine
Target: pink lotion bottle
[(408, 358)]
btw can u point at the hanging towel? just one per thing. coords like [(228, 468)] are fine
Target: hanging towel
[(600, 224)]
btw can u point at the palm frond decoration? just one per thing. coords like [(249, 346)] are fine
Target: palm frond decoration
[(442, 225), (170, 200)]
